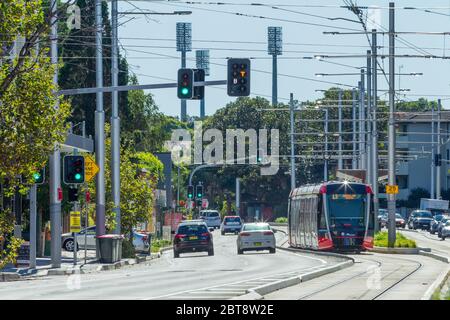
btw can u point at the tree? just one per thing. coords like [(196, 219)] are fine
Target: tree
[(415, 196), (29, 124)]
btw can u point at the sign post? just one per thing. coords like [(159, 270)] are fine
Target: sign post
[(75, 226)]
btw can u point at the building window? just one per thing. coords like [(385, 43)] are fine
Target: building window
[(403, 130), (402, 182)]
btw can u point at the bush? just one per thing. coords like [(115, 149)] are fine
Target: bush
[(160, 243), (381, 240), (281, 220), (128, 250)]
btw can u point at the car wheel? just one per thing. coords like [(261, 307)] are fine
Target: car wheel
[(272, 250), (69, 245), (239, 251), (176, 254), (222, 233), (432, 232), (211, 252)]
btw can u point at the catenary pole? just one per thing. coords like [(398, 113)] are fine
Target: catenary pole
[(432, 154), (354, 160), (291, 109), (115, 120), (55, 158), (438, 152), (367, 123), (340, 161), (325, 164), (375, 129), (362, 151), (391, 130), (99, 126)]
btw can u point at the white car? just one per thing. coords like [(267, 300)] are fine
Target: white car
[(256, 236), (445, 231), (211, 217)]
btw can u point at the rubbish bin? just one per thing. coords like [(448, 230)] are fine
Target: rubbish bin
[(110, 247)]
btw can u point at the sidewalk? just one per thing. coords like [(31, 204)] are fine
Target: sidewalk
[(44, 268)]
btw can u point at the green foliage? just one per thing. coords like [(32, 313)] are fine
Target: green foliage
[(224, 210), (281, 220), (128, 250), (381, 240), (415, 196), (158, 244)]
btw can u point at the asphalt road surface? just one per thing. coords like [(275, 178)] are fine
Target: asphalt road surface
[(192, 276)]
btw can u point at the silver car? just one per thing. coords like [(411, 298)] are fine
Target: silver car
[(445, 231), (211, 217), (256, 236)]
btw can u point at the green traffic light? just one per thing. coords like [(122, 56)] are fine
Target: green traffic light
[(184, 91), (78, 176), (199, 195), (36, 176)]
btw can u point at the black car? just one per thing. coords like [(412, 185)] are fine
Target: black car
[(420, 219), (192, 236), (435, 223)]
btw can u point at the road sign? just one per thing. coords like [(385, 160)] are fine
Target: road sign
[(75, 221), (205, 203), (392, 189), (90, 168)]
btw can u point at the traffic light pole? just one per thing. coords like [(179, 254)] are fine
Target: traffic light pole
[(55, 159), (183, 101), (33, 226), (99, 126)]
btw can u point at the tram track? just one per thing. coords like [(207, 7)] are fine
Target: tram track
[(376, 264)]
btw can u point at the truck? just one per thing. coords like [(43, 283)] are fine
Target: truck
[(436, 206)]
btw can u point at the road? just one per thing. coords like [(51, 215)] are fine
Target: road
[(192, 276)]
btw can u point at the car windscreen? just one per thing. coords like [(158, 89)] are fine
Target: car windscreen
[(346, 209), (425, 215), (232, 220), (398, 215), (438, 217), (256, 227), (192, 229)]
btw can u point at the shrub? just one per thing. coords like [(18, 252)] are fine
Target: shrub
[(281, 220), (159, 243), (128, 250), (381, 240)]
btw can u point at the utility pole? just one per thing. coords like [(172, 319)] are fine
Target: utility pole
[(375, 129), (340, 129), (33, 224), (202, 62), (238, 196), (438, 168), (115, 120), (55, 158), (325, 164), (367, 122), (362, 151), (184, 44), (432, 154), (291, 109), (391, 131), (274, 36), (99, 126), (354, 160)]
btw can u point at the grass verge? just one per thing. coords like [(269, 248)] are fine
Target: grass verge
[(381, 240)]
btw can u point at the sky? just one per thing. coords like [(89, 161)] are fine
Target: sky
[(149, 44)]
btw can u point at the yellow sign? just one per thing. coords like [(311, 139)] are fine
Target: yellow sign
[(189, 217), (392, 189), (90, 168), (75, 221)]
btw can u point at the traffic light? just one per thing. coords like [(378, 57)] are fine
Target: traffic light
[(438, 160), (185, 83), (73, 169), (238, 82), (73, 194), (190, 192), (199, 91), (39, 176), (199, 192)]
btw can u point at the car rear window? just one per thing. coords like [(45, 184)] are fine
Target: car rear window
[(425, 215), (256, 227), (233, 219), (397, 215), (213, 214), (192, 228)]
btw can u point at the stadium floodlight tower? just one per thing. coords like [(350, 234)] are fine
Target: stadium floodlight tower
[(275, 43), (202, 61), (184, 44)]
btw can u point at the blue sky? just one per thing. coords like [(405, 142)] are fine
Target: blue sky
[(247, 37)]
